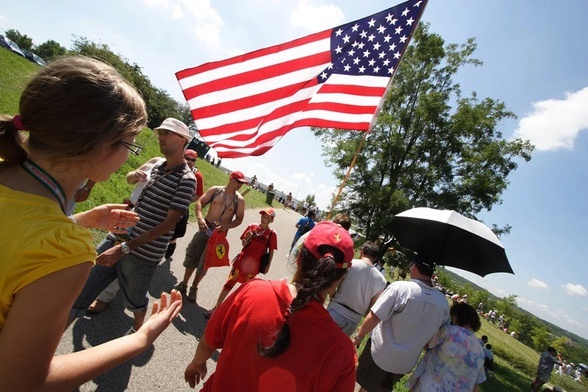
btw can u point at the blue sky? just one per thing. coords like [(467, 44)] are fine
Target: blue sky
[(535, 59)]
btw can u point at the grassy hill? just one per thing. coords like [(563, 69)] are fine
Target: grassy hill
[(557, 331)]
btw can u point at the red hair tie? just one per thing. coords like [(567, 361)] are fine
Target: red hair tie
[(17, 121)]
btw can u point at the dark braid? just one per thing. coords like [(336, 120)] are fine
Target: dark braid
[(312, 278)]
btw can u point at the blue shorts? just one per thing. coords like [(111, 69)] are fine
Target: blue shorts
[(134, 275)]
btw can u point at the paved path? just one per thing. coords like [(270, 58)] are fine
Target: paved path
[(161, 368)]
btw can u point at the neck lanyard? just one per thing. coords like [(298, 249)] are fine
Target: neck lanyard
[(46, 180)]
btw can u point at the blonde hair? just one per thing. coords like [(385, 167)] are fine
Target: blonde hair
[(71, 108)]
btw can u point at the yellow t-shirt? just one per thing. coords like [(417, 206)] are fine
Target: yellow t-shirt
[(37, 240)]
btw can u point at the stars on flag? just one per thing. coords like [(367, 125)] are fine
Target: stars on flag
[(373, 45)]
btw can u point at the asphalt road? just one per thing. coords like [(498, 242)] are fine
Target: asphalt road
[(161, 368)]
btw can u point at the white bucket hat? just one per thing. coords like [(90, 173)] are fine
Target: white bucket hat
[(176, 126)]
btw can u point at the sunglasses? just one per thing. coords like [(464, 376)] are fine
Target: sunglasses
[(190, 159), (134, 148)]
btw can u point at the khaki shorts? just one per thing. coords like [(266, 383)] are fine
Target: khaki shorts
[(370, 376), (195, 253)]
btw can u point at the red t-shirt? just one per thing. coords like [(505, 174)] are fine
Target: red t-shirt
[(199, 183), (320, 356), (247, 264)]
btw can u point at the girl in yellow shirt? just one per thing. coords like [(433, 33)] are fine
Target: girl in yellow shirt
[(78, 120)]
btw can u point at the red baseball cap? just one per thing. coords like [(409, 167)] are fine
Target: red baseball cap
[(268, 211), (190, 153), (331, 234), (239, 176)]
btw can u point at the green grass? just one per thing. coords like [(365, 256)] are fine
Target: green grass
[(12, 83), (516, 364)]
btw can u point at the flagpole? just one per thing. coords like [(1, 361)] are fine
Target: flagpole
[(374, 119), (336, 199)]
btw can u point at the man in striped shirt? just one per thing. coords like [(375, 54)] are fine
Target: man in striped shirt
[(164, 199)]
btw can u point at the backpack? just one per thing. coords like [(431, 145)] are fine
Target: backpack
[(306, 228)]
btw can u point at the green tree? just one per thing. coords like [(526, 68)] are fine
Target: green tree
[(430, 146), (507, 305), (159, 103), (23, 41), (541, 338), (310, 199), (49, 50), (562, 345)]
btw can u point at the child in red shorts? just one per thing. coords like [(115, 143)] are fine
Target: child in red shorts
[(256, 240)]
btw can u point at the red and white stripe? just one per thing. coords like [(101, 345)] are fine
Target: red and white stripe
[(244, 105)]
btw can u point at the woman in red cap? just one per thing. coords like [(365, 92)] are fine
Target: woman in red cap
[(277, 336)]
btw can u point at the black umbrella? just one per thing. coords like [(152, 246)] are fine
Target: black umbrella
[(450, 239)]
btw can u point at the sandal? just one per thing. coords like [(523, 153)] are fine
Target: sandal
[(181, 288), (209, 313), (97, 307)]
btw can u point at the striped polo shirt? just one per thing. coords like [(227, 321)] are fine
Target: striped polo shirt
[(164, 191)]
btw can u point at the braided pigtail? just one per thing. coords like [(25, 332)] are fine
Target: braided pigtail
[(312, 278)]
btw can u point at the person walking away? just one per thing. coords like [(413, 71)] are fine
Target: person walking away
[(190, 156), (78, 120), (341, 219), (454, 359), (226, 211), (163, 201), (395, 344), (303, 226), (277, 336), (548, 359), (358, 292), (257, 239)]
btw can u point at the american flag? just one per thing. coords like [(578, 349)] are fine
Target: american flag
[(337, 78)]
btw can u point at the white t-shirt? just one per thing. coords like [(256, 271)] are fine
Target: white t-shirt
[(411, 312), (136, 192), (359, 286)]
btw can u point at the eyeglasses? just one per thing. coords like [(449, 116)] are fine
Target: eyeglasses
[(134, 148), (190, 159)]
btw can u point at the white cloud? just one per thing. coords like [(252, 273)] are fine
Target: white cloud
[(575, 290), (537, 284), (206, 20), (554, 124), (316, 18)]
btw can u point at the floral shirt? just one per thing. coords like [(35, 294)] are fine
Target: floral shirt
[(454, 362)]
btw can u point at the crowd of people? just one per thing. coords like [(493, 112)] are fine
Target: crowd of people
[(81, 120)]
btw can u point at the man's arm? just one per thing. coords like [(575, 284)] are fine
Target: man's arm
[(170, 221), (200, 203), (114, 254), (134, 176), (199, 185), (368, 324), (375, 298)]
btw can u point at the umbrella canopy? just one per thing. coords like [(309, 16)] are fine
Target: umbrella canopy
[(450, 239)]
